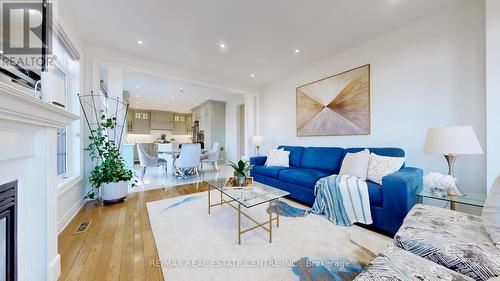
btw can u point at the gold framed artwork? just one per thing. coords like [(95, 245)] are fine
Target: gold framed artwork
[(335, 106)]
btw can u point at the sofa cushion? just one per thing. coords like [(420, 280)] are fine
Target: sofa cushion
[(375, 193), (399, 265), (322, 158), (303, 177), (381, 166), (295, 154), (270, 171), (452, 239), (356, 164), (278, 158)]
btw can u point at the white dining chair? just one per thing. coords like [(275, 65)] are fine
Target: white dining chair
[(188, 160), (211, 157), (147, 160)]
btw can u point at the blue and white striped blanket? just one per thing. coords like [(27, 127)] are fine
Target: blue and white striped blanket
[(342, 199)]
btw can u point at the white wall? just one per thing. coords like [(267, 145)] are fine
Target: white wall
[(70, 193), (493, 87), (427, 74), (69, 202)]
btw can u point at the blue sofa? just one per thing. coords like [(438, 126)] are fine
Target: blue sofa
[(389, 202)]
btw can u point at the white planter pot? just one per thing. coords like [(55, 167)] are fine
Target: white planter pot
[(114, 192)]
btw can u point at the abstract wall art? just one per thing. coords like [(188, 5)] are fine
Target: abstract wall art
[(336, 105)]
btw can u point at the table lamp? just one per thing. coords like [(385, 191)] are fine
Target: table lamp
[(257, 141), (452, 141)]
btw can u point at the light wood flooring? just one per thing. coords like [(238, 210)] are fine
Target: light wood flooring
[(119, 243)]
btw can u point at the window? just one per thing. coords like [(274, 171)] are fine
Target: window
[(62, 153), (62, 143), (68, 150), (137, 115)]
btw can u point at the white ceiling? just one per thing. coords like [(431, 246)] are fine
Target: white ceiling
[(260, 35), (150, 92)]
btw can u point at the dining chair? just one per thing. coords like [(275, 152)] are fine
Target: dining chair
[(211, 157), (147, 160), (188, 160)]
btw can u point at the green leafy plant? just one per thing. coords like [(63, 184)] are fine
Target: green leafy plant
[(241, 169), (110, 165)]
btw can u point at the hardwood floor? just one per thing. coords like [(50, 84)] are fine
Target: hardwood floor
[(119, 243)]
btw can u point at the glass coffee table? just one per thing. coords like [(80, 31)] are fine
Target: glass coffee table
[(470, 199), (248, 197)]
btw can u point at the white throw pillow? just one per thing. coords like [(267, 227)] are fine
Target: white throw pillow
[(279, 158), (491, 212), (356, 164), (381, 166)]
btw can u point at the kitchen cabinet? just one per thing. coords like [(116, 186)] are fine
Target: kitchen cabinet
[(189, 124), (162, 120), (211, 116), (182, 124), (141, 122)]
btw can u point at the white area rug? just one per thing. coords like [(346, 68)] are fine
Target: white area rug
[(195, 245)]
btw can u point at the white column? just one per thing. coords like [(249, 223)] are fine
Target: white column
[(114, 83), (492, 89), (250, 122), (53, 257)]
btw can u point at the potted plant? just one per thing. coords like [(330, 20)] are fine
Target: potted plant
[(240, 171), (109, 175), (163, 138)]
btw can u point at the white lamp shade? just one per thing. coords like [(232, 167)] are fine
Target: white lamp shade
[(454, 140), (257, 140)]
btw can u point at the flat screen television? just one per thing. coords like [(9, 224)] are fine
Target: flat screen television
[(13, 66)]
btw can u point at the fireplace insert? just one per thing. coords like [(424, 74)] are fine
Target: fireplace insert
[(8, 231)]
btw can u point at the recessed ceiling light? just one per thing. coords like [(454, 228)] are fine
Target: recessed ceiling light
[(167, 103), (137, 86), (252, 75), (206, 98), (181, 90), (173, 97), (140, 42), (136, 96), (297, 51), (222, 45)]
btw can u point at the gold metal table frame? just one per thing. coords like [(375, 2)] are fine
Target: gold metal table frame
[(267, 225)]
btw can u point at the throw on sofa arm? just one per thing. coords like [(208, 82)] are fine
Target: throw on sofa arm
[(399, 193), (258, 160)]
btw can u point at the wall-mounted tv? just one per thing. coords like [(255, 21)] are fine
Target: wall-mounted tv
[(25, 40)]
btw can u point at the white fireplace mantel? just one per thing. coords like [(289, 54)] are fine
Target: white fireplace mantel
[(21, 105), (28, 154)]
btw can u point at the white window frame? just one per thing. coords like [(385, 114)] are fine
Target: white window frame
[(74, 152)]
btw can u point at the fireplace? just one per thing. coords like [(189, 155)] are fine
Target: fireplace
[(8, 231)]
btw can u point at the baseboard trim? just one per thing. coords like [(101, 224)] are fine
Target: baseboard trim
[(68, 217), (54, 269)]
